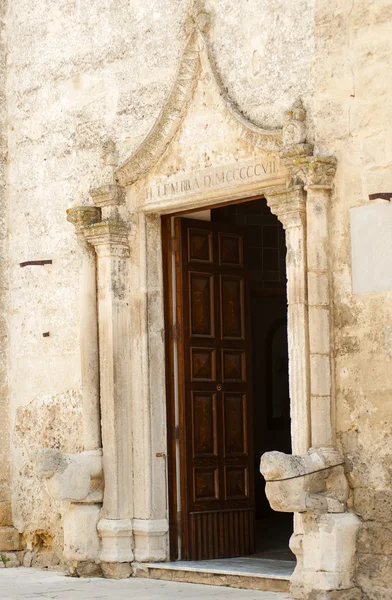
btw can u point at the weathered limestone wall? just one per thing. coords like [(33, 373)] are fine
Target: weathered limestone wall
[(5, 497), (80, 74), (83, 73), (353, 121)]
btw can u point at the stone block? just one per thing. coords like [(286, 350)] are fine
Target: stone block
[(374, 569), (375, 538), (116, 570), (88, 568), (9, 539), (373, 505), (81, 540)]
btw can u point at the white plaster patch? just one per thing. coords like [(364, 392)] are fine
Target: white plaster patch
[(371, 248)]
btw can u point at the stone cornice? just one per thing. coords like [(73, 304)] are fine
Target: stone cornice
[(109, 238), (83, 216)]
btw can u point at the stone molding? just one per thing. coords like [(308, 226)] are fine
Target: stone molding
[(195, 55)]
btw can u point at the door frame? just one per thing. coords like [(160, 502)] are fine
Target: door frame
[(149, 348)]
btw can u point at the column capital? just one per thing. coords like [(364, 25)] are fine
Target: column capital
[(83, 216), (314, 172), (288, 204), (109, 238)]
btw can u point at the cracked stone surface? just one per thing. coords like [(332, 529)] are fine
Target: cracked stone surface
[(33, 583)]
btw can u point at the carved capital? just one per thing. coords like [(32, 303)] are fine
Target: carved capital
[(312, 171), (289, 205), (109, 238), (107, 195), (83, 216)]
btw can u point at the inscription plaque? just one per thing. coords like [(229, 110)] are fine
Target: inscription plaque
[(225, 176)]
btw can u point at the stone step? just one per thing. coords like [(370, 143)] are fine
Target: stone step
[(245, 573)]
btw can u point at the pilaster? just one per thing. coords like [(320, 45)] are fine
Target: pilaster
[(289, 205), (317, 174), (110, 240)]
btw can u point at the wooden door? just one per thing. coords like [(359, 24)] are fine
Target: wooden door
[(215, 395)]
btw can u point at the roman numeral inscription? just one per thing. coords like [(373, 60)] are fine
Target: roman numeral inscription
[(215, 177)]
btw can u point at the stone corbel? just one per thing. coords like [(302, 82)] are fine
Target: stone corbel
[(71, 477), (314, 481)]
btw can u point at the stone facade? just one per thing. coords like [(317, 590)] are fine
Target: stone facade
[(115, 113)]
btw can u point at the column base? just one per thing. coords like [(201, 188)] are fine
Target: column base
[(9, 539), (116, 536), (326, 557), (81, 540), (150, 540)]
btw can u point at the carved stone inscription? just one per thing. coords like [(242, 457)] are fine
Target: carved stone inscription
[(246, 172)]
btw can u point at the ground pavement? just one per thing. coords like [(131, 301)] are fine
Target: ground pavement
[(34, 584)]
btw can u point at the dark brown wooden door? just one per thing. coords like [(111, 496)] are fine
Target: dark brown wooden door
[(215, 398)]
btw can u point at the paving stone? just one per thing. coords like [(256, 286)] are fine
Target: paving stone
[(34, 584)]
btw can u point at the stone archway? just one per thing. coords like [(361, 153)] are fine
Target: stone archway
[(203, 152)]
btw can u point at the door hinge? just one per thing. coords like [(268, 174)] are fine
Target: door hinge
[(176, 432), (174, 244), (175, 331)]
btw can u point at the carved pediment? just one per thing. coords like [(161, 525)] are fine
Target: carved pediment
[(200, 129)]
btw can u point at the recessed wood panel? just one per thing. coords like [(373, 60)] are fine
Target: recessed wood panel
[(236, 483), (199, 245), (233, 365), (205, 484), (203, 364), (231, 250), (204, 424), (232, 307), (235, 423), (201, 299)]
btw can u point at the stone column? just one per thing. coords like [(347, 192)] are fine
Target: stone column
[(288, 204), (80, 217), (110, 240), (318, 176)]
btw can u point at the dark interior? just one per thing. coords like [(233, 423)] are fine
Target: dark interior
[(271, 405)]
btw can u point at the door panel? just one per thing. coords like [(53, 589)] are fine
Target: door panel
[(215, 403)]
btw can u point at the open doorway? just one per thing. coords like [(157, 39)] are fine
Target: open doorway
[(227, 373)]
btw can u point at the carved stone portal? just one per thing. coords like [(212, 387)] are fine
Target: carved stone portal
[(233, 159)]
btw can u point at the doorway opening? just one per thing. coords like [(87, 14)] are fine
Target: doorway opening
[(227, 380)]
